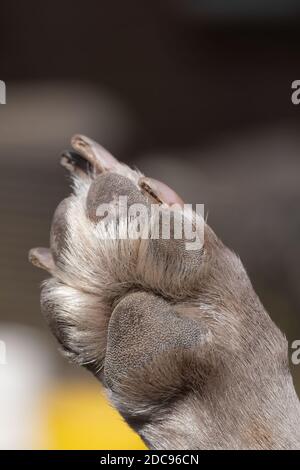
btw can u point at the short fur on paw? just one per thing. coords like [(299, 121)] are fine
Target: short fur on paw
[(177, 335), (95, 262)]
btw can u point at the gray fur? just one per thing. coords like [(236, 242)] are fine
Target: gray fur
[(186, 350)]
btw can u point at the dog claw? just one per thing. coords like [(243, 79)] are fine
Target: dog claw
[(75, 163), (99, 158), (42, 258), (160, 192)]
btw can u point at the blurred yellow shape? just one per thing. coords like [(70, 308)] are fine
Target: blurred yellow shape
[(80, 417)]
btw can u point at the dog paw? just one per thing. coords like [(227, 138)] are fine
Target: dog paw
[(119, 232)]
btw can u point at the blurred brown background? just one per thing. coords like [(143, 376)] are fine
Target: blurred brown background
[(194, 93)]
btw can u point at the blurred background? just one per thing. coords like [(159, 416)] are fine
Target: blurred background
[(195, 93)]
